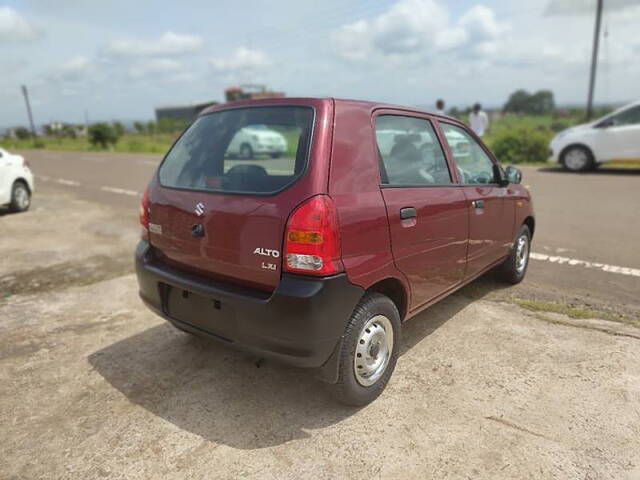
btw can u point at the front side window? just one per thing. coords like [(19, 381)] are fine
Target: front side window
[(410, 152), (474, 165), (630, 116), (246, 150)]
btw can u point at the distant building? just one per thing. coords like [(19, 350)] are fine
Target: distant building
[(186, 112), (250, 92)]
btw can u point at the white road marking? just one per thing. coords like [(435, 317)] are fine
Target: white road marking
[(71, 183), (574, 262), (44, 178), (153, 163), (121, 191)]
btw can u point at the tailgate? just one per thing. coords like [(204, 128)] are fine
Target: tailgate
[(219, 206)]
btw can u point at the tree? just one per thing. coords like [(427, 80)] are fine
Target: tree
[(22, 133), (139, 126), (538, 103), (118, 127), (102, 135)]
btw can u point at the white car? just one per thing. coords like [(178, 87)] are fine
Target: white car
[(255, 140), (16, 182), (614, 137)]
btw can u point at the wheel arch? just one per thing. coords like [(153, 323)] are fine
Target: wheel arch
[(396, 291), (531, 223), (573, 145), (23, 181)]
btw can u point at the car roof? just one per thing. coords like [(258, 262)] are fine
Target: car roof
[(364, 104)]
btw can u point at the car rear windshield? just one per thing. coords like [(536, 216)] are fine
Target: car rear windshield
[(259, 150)]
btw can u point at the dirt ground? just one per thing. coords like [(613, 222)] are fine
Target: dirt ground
[(92, 385)]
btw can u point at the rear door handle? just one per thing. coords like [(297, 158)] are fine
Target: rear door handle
[(478, 203), (408, 212)]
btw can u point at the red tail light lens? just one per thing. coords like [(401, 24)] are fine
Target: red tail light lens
[(144, 214), (312, 241)]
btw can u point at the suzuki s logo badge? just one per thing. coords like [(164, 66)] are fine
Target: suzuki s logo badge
[(199, 209)]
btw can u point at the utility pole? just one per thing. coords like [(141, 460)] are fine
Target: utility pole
[(26, 99), (594, 58)]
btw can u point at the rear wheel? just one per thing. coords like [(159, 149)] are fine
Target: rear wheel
[(20, 197), (577, 159), (515, 266), (369, 351), (246, 152)]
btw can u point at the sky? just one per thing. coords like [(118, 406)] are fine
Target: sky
[(120, 59)]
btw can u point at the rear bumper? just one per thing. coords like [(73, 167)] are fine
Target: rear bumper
[(300, 323)]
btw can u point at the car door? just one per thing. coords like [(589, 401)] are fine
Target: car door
[(618, 136), (427, 213), (490, 209)]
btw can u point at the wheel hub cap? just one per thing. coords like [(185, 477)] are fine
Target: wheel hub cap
[(522, 253), (575, 159), (373, 350), (22, 197)]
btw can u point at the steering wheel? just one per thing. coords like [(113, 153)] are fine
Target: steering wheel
[(482, 177)]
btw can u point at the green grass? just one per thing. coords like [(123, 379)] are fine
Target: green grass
[(572, 311), (128, 143)]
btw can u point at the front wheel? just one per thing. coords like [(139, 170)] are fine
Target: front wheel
[(369, 351), (577, 159), (515, 266), (20, 197)]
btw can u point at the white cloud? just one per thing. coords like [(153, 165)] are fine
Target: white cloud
[(160, 66), (242, 58), (169, 43), (14, 26), (417, 28), (76, 68)]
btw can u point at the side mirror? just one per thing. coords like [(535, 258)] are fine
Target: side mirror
[(513, 174), (499, 176)]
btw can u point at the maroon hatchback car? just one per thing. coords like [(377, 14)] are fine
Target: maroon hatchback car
[(314, 257)]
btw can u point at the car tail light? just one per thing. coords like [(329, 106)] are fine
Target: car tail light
[(312, 242), (25, 163), (144, 214)]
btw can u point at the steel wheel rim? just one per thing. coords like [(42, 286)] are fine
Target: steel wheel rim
[(374, 348), (522, 253), (576, 159), (22, 197)]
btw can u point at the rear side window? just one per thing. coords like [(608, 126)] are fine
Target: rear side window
[(410, 152), (246, 150)]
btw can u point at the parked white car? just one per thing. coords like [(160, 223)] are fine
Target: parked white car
[(16, 182), (614, 137), (255, 140)]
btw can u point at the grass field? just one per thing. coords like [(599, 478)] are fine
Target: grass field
[(128, 143)]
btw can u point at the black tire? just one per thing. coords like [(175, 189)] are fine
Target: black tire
[(348, 388), (581, 152), (511, 270), (246, 152), (20, 197)]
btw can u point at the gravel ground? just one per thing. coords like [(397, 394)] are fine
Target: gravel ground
[(92, 385)]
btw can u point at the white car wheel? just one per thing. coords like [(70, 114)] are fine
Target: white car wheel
[(577, 159)]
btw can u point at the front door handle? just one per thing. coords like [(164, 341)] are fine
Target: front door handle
[(478, 203), (408, 212)]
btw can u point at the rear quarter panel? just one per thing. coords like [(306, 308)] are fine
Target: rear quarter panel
[(354, 185)]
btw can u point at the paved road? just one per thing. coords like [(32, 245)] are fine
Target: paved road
[(587, 240)]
